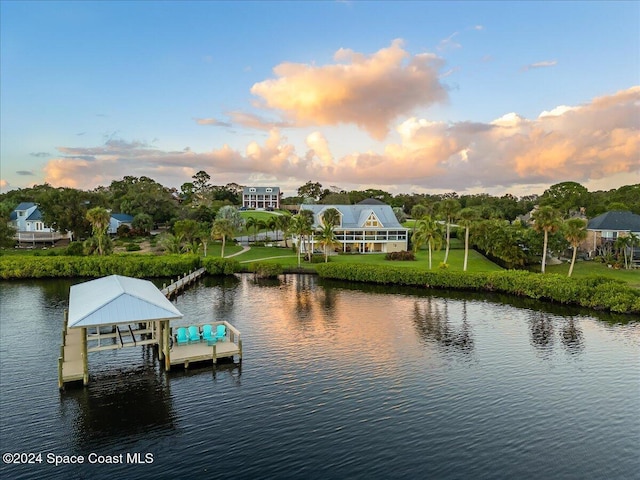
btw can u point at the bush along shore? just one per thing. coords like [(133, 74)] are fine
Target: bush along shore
[(598, 293)]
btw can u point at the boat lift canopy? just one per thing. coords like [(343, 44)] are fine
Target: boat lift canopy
[(115, 300)]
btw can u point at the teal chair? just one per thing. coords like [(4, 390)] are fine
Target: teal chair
[(207, 333), (181, 336), (221, 332), (194, 333)]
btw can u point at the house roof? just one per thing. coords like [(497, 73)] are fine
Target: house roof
[(262, 190), (617, 221), (122, 217), (35, 215), (116, 299), (354, 216), (25, 206)]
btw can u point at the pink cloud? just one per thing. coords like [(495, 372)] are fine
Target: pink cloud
[(368, 91)]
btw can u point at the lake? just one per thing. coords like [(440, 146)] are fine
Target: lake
[(337, 382)]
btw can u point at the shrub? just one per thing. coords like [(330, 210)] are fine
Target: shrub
[(402, 256), (220, 266), (266, 270), (598, 293), (133, 247)]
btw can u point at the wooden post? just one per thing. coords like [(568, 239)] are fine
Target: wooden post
[(215, 357), (167, 359), (240, 350), (85, 359), (160, 340), (60, 380)]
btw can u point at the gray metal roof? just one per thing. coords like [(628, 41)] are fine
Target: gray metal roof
[(261, 190), (354, 216), (617, 221), (117, 299), (25, 206)]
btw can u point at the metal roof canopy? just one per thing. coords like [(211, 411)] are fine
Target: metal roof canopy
[(116, 299)]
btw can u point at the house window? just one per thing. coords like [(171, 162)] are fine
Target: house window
[(252, 189), (372, 221), (609, 234), (268, 189)]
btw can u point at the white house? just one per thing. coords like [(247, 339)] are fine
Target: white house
[(261, 197), (363, 228), (29, 224), (118, 219)]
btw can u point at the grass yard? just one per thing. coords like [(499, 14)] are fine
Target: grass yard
[(586, 269)]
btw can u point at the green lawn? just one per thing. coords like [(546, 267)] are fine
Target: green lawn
[(477, 263), (585, 269)]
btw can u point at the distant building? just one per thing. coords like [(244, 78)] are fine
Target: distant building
[(29, 224), (606, 228), (261, 197), (118, 219)]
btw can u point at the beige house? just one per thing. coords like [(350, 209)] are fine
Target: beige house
[(363, 228)]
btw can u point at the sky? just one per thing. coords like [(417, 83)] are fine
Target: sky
[(407, 97)]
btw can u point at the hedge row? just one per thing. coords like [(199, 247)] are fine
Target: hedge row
[(594, 292), (139, 266)]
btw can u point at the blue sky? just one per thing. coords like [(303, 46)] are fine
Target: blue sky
[(403, 96)]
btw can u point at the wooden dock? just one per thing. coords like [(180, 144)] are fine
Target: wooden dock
[(180, 284), (78, 342), (203, 351)]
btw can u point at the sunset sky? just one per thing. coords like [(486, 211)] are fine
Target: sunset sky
[(424, 97)]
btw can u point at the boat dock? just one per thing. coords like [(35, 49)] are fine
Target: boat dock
[(180, 284), (88, 334)]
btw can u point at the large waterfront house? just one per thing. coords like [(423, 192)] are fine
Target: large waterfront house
[(30, 227), (363, 228), (261, 197), (608, 227)]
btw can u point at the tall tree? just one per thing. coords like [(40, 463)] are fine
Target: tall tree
[(99, 219), (427, 232), (311, 190), (300, 227), (448, 208), (574, 231), (466, 218), (327, 239), (565, 196), (283, 222), (546, 220), (221, 230), (232, 214)]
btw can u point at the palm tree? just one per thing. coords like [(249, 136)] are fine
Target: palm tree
[(574, 231), (272, 224), (99, 219), (300, 226), (546, 219), (327, 239), (467, 217), (251, 222), (621, 245), (427, 231), (449, 209), (171, 243), (307, 215), (331, 216), (222, 228), (283, 222), (633, 241)]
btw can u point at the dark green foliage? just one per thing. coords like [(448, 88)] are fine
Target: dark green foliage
[(75, 249), (133, 247), (266, 270), (220, 266), (594, 292), (400, 256), (140, 266)]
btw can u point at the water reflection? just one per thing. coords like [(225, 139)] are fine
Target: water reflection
[(572, 337), (119, 405), (431, 320), (541, 328)]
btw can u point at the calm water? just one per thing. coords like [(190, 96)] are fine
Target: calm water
[(336, 382)]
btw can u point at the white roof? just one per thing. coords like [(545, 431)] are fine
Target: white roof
[(117, 299)]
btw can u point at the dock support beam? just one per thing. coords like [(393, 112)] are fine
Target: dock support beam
[(165, 345), (85, 359)]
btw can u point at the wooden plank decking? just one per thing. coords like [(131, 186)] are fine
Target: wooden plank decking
[(202, 351)]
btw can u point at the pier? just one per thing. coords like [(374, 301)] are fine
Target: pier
[(119, 312)]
